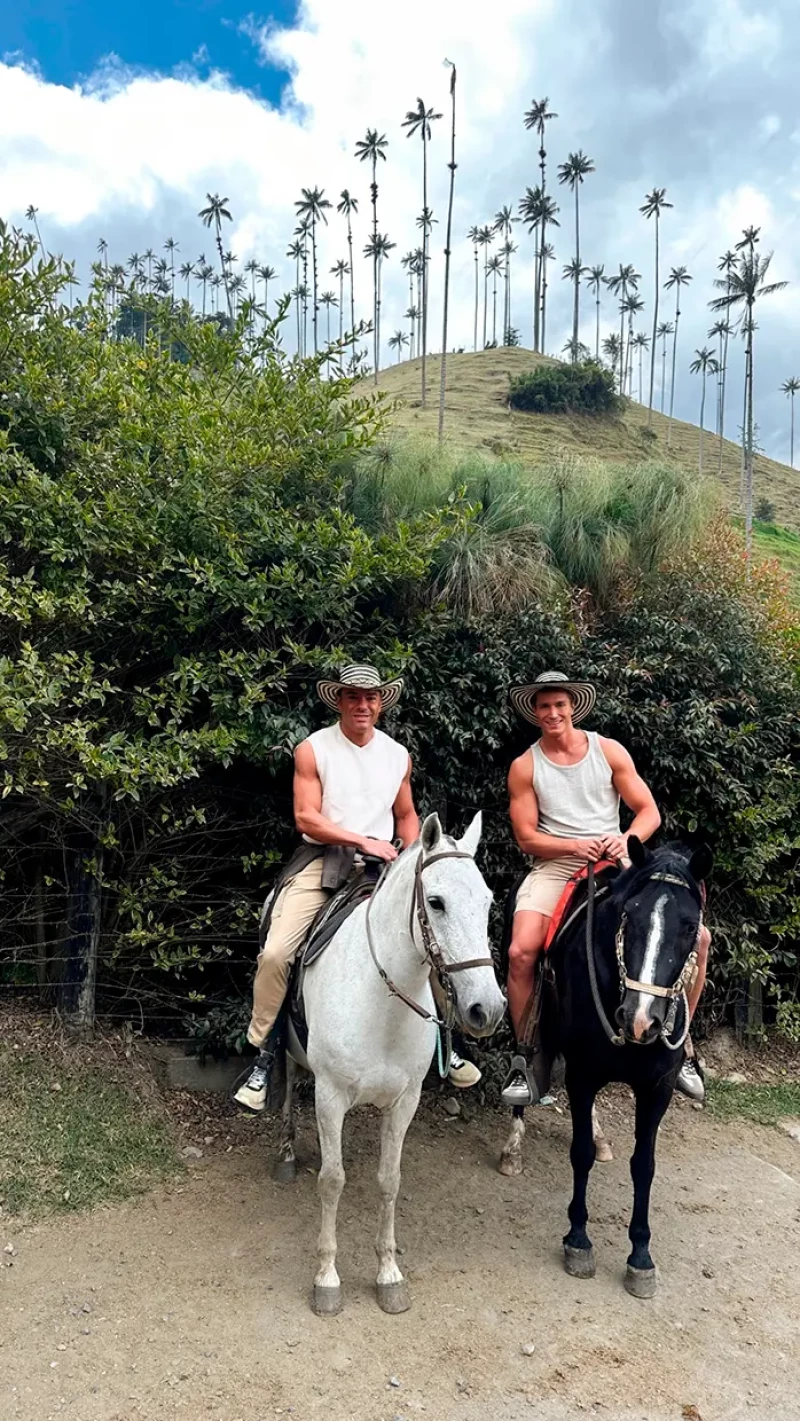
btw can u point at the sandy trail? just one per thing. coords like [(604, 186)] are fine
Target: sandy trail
[(192, 1302)]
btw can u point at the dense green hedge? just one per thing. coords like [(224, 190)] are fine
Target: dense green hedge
[(187, 547), (585, 388)]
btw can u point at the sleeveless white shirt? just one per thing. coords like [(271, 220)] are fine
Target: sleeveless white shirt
[(360, 783), (576, 801)]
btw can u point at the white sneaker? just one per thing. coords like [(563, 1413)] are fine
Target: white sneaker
[(462, 1073), (690, 1081), (252, 1093)]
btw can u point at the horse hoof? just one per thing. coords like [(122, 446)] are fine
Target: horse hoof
[(326, 1302), (603, 1152), (393, 1297), (285, 1171), (579, 1262), (510, 1165), (641, 1282)]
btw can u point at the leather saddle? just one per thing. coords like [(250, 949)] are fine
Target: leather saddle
[(358, 888)]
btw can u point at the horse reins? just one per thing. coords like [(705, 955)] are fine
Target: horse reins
[(432, 953), (676, 993)]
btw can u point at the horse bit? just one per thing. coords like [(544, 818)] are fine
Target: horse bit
[(677, 992), (432, 953)]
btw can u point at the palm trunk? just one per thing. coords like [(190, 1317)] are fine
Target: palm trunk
[(702, 418), (597, 329), (448, 237), (748, 471), (475, 322), (653, 347), (576, 302), (536, 288), (622, 365), (674, 353), (544, 294), (485, 296), (640, 374), (352, 289), (791, 436), (375, 298), (424, 258), (377, 318), (663, 372), (314, 279), (723, 382), (494, 308)]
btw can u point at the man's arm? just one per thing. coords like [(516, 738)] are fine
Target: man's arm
[(524, 812), (634, 793), (406, 819)]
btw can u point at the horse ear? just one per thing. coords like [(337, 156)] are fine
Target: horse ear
[(700, 863), (637, 853), (472, 836), (431, 833)]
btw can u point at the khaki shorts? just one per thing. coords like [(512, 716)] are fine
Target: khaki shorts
[(541, 890)]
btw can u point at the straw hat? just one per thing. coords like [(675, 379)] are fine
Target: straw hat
[(523, 698), (361, 678)]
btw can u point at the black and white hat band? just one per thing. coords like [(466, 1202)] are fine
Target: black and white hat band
[(362, 678)]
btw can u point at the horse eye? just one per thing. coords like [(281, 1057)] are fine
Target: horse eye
[(437, 904)]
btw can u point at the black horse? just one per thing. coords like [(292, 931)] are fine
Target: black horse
[(622, 967)]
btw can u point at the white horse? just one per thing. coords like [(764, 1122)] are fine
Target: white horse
[(372, 1024)]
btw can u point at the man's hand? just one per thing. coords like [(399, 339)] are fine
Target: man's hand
[(615, 846), (590, 850), (378, 849)]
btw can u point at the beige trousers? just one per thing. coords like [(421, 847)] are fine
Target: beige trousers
[(295, 908)]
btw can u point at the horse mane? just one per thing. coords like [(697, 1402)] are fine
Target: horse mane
[(673, 857)]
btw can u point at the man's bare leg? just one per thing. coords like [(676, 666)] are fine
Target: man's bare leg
[(530, 931)]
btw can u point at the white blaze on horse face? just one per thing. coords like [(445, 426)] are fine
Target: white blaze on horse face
[(655, 941)]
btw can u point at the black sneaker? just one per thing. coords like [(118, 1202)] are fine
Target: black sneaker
[(252, 1093)]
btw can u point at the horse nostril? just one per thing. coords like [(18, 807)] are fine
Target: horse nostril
[(477, 1017), (620, 1016)]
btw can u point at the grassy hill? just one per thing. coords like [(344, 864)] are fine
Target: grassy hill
[(478, 417)]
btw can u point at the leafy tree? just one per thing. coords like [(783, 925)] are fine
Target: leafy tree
[(559, 389)]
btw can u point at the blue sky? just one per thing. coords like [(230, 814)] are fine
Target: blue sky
[(68, 39)]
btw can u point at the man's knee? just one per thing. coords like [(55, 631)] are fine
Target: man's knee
[(525, 948)]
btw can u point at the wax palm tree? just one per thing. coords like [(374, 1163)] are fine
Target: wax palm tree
[(251, 267), (632, 305), (719, 332), (328, 299), (537, 117), (677, 278), (573, 172), (412, 315), (418, 121), (530, 211), (546, 254), (654, 204), (295, 252), (303, 231), (594, 280), (747, 285), (503, 222), (474, 237), (509, 332), (641, 342), (485, 239), (705, 364), (311, 206), (790, 388), (572, 271), (576, 350), (347, 206), (665, 329), (32, 215), (378, 251), (340, 270), (216, 212), (397, 341), (299, 295), (186, 273), (495, 268), (447, 247), (369, 149), (725, 264), (622, 285), (206, 273), (171, 246), (612, 350), (266, 274), (237, 286)]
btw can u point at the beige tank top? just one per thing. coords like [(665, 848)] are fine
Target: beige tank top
[(576, 800)]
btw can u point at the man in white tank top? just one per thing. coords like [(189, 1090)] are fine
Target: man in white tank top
[(352, 791), (564, 795)]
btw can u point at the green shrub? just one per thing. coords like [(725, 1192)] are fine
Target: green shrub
[(584, 388)]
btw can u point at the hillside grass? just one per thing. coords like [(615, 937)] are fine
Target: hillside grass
[(771, 541), (478, 417)]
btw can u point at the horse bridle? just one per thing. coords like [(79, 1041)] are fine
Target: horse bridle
[(677, 992), (432, 953)]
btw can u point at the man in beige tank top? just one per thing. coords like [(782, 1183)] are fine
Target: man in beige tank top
[(565, 793), (352, 794)]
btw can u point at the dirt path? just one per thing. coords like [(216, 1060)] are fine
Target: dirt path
[(193, 1301)]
